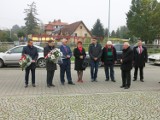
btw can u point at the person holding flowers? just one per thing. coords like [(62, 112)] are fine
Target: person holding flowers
[(32, 53), (50, 64)]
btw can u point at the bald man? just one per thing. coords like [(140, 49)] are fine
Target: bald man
[(65, 67), (126, 65)]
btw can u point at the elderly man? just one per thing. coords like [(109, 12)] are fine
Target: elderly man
[(33, 53), (109, 58), (139, 59), (95, 52), (126, 65), (50, 66), (66, 64)]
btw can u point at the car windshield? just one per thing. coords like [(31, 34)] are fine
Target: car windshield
[(118, 47)]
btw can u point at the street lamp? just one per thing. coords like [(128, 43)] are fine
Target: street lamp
[(109, 18)]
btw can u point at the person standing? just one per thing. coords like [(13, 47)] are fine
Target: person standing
[(50, 66), (79, 54), (109, 58), (139, 59), (33, 53), (66, 62), (126, 65), (95, 52)]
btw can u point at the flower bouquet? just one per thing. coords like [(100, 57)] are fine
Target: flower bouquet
[(25, 61), (54, 55)]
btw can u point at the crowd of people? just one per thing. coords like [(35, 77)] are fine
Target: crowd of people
[(136, 57)]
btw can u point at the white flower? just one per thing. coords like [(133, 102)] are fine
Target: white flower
[(53, 57)]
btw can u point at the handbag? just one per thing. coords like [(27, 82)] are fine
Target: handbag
[(84, 64)]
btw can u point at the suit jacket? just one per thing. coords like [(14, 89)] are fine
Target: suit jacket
[(95, 51), (127, 57), (78, 61), (49, 64), (140, 59)]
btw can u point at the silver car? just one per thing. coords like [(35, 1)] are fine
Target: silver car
[(12, 56)]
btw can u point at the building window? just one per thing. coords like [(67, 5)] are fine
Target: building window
[(75, 34), (85, 35), (80, 27)]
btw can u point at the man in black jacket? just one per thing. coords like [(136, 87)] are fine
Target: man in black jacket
[(109, 58), (126, 65), (50, 66), (95, 52), (33, 53), (139, 59)]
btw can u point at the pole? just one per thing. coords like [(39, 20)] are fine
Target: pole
[(109, 18)]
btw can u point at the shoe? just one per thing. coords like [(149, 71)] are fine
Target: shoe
[(122, 86), (126, 87), (134, 79), (26, 86), (107, 80), (92, 80), (81, 81), (113, 80), (52, 85), (71, 83), (78, 81), (48, 86), (141, 80), (95, 80), (158, 82), (62, 83), (33, 85)]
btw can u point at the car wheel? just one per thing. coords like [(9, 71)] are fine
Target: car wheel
[(1, 63), (41, 63)]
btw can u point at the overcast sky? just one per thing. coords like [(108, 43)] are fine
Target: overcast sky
[(12, 11)]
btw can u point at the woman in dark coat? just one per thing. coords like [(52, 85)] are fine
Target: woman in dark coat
[(79, 54)]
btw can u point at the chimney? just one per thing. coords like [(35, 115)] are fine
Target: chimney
[(59, 20)]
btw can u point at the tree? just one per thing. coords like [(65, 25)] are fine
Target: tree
[(140, 19), (98, 29), (31, 20), (113, 34)]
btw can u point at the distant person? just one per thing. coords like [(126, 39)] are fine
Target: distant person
[(139, 60), (95, 52), (50, 66), (65, 67), (79, 54), (33, 53), (109, 58), (126, 65)]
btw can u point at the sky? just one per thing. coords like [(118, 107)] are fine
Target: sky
[(12, 12)]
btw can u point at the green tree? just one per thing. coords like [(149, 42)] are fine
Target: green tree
[(31, 20), (140, 19), (98, 29), (113, 34)]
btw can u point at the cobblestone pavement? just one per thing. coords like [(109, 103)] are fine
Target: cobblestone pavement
[(85, 101)]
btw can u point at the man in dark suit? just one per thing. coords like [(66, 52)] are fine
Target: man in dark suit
[(95, 52), (50, 66), (140, 57), (33, 53), (66, 63), (126, 66)]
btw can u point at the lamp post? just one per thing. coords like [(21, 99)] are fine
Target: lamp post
[(109, 18)]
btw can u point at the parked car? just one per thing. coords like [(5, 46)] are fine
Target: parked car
[(12, 56), (154, 58)]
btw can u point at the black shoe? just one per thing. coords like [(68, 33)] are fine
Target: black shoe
[(33, 85), (92, 80), (107, 80), (122, 86), (158, 82), (126, 87), (113, 80), (26, 86), (71, 83), (62, 83), (48, 86), (52, 85), (134, 79), (95, 80), (141, 80)]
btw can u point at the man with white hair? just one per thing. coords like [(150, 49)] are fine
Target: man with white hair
[(66, 64), (109, 58), (126, 65)]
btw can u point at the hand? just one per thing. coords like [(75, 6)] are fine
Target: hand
[(33, 61), (121, 61), (68, 56), (95, 59), (81, 57)]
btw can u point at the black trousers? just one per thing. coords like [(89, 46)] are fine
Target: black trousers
[(50, 75), (27, 71), (126, 78), (136, 72)]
